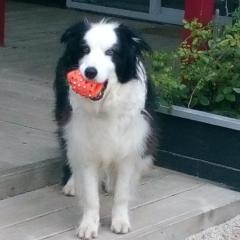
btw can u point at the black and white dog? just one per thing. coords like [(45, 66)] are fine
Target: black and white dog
[(109, 139)]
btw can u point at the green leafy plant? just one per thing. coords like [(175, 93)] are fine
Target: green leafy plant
[(204, 72)]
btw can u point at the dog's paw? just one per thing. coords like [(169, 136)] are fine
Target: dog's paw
[(69, 188), (88, 229), (120, 225)]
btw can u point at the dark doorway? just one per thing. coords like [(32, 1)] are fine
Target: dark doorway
[(52, 3)]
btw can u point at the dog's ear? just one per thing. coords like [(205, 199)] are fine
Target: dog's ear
[(141, 44), (75, 32), (135, 39)]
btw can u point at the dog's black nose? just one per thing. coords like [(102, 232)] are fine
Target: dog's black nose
[(90, 72)]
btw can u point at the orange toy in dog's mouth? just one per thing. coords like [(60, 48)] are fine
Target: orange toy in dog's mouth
[(84, 87)]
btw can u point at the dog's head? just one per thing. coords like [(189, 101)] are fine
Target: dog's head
[(105, 51)]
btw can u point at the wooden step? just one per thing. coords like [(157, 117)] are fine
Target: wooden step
[(168, 205)]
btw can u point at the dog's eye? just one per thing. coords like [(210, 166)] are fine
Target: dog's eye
[(86, 49), (109, 52)]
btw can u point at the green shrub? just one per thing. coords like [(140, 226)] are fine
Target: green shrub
[(205, 75)]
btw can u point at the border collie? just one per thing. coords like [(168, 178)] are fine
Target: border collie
[(108, 139)]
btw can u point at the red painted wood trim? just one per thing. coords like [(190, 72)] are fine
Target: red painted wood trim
[(2, 21)]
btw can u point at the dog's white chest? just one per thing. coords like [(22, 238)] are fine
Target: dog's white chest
[(106, 139)]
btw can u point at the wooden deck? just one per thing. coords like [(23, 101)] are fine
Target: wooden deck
[(167, 206)]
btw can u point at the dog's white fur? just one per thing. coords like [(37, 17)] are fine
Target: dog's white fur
[(107, 136)]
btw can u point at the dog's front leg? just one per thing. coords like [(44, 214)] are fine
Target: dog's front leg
[(86, 184), (120, 216)]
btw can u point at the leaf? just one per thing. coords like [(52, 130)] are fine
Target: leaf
[(227, 90), (230, 97), (205, 59), (236, 90), (219, 98), (204, 100)]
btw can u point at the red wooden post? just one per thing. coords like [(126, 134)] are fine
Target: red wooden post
[(2, 21), (203, 10)]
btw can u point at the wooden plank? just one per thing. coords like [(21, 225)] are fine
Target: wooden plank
[(190, 223), (23, 43), (22, 77), (26, 103), (45, 74), (31, 60), (22, 208), (17, 209), (29, 177), (5, 165), (151, 221), (66, 219), (37, 229), (35, 204), (27, 88), (26, 134), (20, 145), (28, 119), (23, 113), (14, 7)]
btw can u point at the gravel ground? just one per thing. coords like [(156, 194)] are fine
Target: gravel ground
[(229, 230)]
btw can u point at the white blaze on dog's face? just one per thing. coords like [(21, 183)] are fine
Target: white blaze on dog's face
[(98, 47)]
